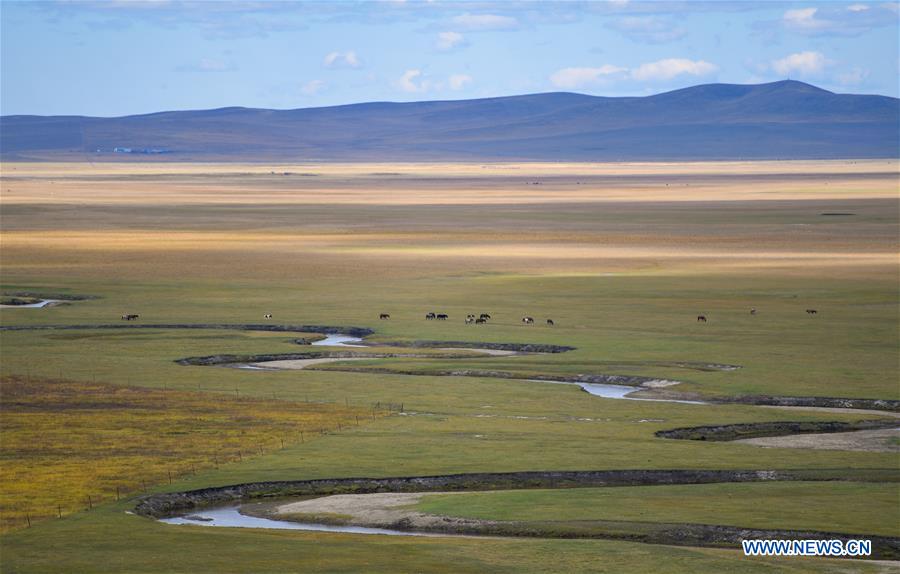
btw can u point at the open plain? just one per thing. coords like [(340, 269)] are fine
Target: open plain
[(623, 258)]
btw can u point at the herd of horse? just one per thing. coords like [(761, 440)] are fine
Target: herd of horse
[(471, 319), (481, 319)]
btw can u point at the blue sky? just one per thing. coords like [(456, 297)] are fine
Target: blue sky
[(110, 58)]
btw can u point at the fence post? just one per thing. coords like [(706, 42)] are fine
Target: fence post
[(59, 510), (117, 493)]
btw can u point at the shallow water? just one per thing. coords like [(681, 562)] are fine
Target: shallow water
[(618, 392), (37, 305), (339, 341), (252, 367), (622, 392), (230, 517)]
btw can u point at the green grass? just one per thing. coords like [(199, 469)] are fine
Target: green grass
[(791, 505), (120, 543), (623, 316)]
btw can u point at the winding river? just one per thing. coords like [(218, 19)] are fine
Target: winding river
[(230, 516), (339, 341), (38, 305)]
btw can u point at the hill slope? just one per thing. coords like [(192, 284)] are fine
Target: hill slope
[(781, 120)]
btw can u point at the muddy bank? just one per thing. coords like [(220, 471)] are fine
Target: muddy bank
[(168, 504), (392, 511), (44, 296), (770, 429), (817, 403), (828, 402), (212, 360), (627, 380), (179, 503), (517, 347), (325, 329), (297, 364)]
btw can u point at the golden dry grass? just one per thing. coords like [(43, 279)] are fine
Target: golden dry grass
[(66, 441), (443, 184)]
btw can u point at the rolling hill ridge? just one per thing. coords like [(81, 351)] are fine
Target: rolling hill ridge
[(780, 120)]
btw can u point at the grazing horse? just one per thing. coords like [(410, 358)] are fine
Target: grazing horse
[(484, 316), (701, 318), (130, 317), (550, 322), (480, 321), (528, 320), (384, 316), (753, 310), (441, 317), (811, 311), (268, 316), (470, 319), (430, 316)]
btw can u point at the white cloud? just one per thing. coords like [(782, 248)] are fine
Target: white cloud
[(414, 81), (408, 83), (449, 40), (570, 78), (312, 87), (833, 20), (459, 81), (802, 63), (347, 59), (485, 22), (802, 18), (672, 67)]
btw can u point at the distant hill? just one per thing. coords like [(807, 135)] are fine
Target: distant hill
[(780, 120)]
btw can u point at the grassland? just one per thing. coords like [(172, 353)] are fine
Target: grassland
[(621, 261), (69, 445), (795, 506)]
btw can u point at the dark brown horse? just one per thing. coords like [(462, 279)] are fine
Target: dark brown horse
[(384, 316), (701, 318)]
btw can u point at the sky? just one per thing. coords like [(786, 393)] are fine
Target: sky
[(121, 57)]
